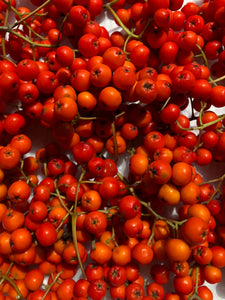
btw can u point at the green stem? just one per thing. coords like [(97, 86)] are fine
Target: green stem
[(203, 55), (171, 222), (196, 283), (165, 104), (203, 106), (151, 238), (74, 224), (3, 48), (146, 26), (206, 63), (7, 12), (199, 145), (113, 237), (97, 117), (61, 200), (64, 218), (130, 33), (51, 284), (218, 79), (31, 13), (5, 29), (195, 295), (61, 27), (125, 44), (112, 2), (221, 179), (30, 29), (87, 118), (20, 296), (24, 176), (214, 180), (120, 115), (203, 126), (2, 276), (105, 211), (212, 81), (45, 169), (90, 181), (108, 6)]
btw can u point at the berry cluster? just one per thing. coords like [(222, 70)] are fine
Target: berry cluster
[(149, 95)]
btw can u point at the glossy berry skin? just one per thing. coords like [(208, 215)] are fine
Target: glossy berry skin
[(9, 157), (160, 171), (46, 234), (83, 152), (88, 45), (154, 140), (129, 207), (97, 289), (79, 15), (95, 222), (14, 123), (195, 231), (117, 275), (170, 113)]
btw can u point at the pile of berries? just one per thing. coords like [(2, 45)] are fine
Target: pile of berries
[(148, 98)]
